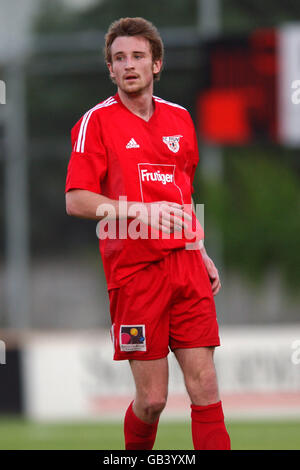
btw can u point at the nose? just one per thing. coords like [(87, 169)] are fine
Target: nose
[(129, 63)]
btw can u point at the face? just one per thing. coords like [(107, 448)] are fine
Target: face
[(132, 66)]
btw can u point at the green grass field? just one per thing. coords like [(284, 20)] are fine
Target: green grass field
[(259, 435)]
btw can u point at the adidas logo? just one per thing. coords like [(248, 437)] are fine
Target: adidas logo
[(132, 144)]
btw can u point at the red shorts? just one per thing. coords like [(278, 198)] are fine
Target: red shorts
[(168, 304)]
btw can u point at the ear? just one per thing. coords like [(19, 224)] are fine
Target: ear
[(157, 64), (110, 68)]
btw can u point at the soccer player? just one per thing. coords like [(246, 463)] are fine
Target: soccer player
[(133, 161)]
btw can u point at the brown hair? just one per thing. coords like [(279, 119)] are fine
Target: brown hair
[(135, 27)]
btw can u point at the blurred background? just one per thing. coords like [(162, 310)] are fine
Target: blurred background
[(235, 65)]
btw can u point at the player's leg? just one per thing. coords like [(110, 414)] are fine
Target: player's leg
[(208, 426), (151, 381), (140, 334), (142, 415), (193, 336), (199, 373)]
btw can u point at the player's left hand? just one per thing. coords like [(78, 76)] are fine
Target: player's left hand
[(213, 274)]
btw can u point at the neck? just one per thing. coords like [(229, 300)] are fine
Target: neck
[(139, 104)]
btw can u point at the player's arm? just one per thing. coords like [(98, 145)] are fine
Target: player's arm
[(84, 204), (210, 266)]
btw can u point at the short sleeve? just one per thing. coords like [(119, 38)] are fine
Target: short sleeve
[(88, 161)]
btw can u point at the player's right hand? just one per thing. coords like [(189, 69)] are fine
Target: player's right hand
[(165, 216)]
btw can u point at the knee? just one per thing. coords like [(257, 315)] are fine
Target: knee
[(203, 387), (153, 406)]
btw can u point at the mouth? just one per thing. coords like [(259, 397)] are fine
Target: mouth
[(130, 77)]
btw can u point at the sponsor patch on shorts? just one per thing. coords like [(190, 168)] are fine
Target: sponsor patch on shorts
[(132, 338)]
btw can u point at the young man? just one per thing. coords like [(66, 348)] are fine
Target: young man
[(134, 158)]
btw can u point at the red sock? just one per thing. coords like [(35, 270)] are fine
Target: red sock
[(208, 428), (138, 434)]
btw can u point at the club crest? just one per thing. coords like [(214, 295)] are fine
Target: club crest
[(172, 142)]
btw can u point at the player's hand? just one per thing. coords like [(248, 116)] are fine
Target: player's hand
[(213, 274), (165, 216)]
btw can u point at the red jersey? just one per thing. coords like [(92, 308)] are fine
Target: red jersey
[(116, 153)]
